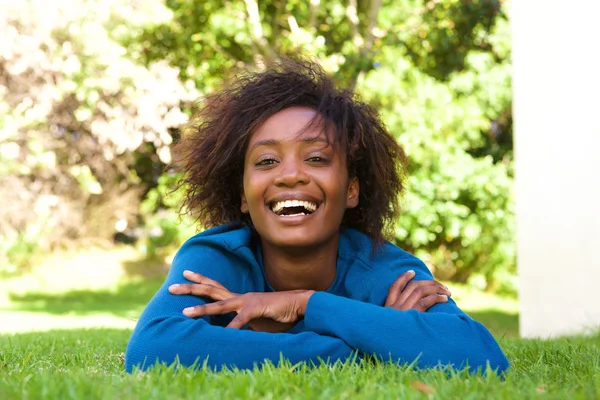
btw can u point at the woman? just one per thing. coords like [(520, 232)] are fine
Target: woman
[(298, 182)]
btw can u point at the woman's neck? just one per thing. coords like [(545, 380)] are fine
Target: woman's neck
[(301, 269)]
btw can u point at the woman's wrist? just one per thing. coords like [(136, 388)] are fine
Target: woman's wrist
[(303, 297)]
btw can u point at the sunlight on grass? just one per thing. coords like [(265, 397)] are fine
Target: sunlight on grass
[(91, 270), (93, 288), (500, 314), (109, 288), (23, 321), (472, 299)]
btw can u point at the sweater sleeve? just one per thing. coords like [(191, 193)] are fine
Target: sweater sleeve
[(444, 335), (164, 335)]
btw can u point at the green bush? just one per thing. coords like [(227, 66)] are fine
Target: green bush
[(79, 119), (438, 72), (165, 229), (92, 91)]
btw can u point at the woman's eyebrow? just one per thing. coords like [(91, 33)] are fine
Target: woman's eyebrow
[(315, 139), (266, 142)]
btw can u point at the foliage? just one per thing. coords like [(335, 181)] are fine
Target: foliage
[(88, 364), (459, 207), (83, 128), (437, 70), (92, 92), (164, 227), (443, 33)]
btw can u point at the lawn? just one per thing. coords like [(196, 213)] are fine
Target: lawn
[(83, 307)]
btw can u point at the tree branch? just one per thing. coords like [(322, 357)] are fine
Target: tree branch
[(366, 45), (371, 26), (314, 6), (256, 30), (352, 14), (275, 28)]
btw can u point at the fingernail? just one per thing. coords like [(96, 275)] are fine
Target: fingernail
[(444, 296), (174, 286), (411, 272), (187, 272), (188, 310)]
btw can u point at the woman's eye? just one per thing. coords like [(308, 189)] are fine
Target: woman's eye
[(317, 159), (266, 161)]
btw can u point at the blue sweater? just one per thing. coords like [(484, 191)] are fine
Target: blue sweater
[(346, 319)]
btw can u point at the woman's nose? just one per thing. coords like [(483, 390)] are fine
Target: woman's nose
[(291, 173)]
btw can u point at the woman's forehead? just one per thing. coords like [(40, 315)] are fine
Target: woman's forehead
[(291, 125)]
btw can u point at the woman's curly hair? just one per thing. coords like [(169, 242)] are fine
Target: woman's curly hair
[(213, 145)]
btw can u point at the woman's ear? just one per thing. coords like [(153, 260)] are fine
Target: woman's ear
[(244, 206), (353, 192)]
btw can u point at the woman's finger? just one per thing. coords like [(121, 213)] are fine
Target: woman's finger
[(244, 317), (419, 293), (198, 289), (249, 311), (216, 308), (238, 321), (425, 303), (396, 287), (198, 278), (414, 285)]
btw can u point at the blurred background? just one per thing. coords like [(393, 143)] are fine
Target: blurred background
[(92, 93)]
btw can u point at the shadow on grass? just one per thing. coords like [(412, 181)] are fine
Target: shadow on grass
[(120, 302), (501, 324), (131, 297), (55, 337)]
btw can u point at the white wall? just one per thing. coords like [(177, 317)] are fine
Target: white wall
[(556, 61)]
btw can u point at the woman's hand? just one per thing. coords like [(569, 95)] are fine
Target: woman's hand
[(202, 286), (264, 312), (420, 295), (284, 307)]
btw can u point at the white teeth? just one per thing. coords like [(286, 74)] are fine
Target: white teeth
[(309, 205), (291, 215)]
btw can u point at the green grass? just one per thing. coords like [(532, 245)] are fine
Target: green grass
[(88, 364), (64, 328), (95, 288)]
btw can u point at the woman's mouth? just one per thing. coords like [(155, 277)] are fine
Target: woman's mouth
[(293, 208)]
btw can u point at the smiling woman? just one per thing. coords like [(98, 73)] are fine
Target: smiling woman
[(298, 181), (291, 160)]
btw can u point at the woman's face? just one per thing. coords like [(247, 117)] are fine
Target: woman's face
[(296, 186)]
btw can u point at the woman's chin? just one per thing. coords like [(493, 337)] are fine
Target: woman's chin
[(297, 240)]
